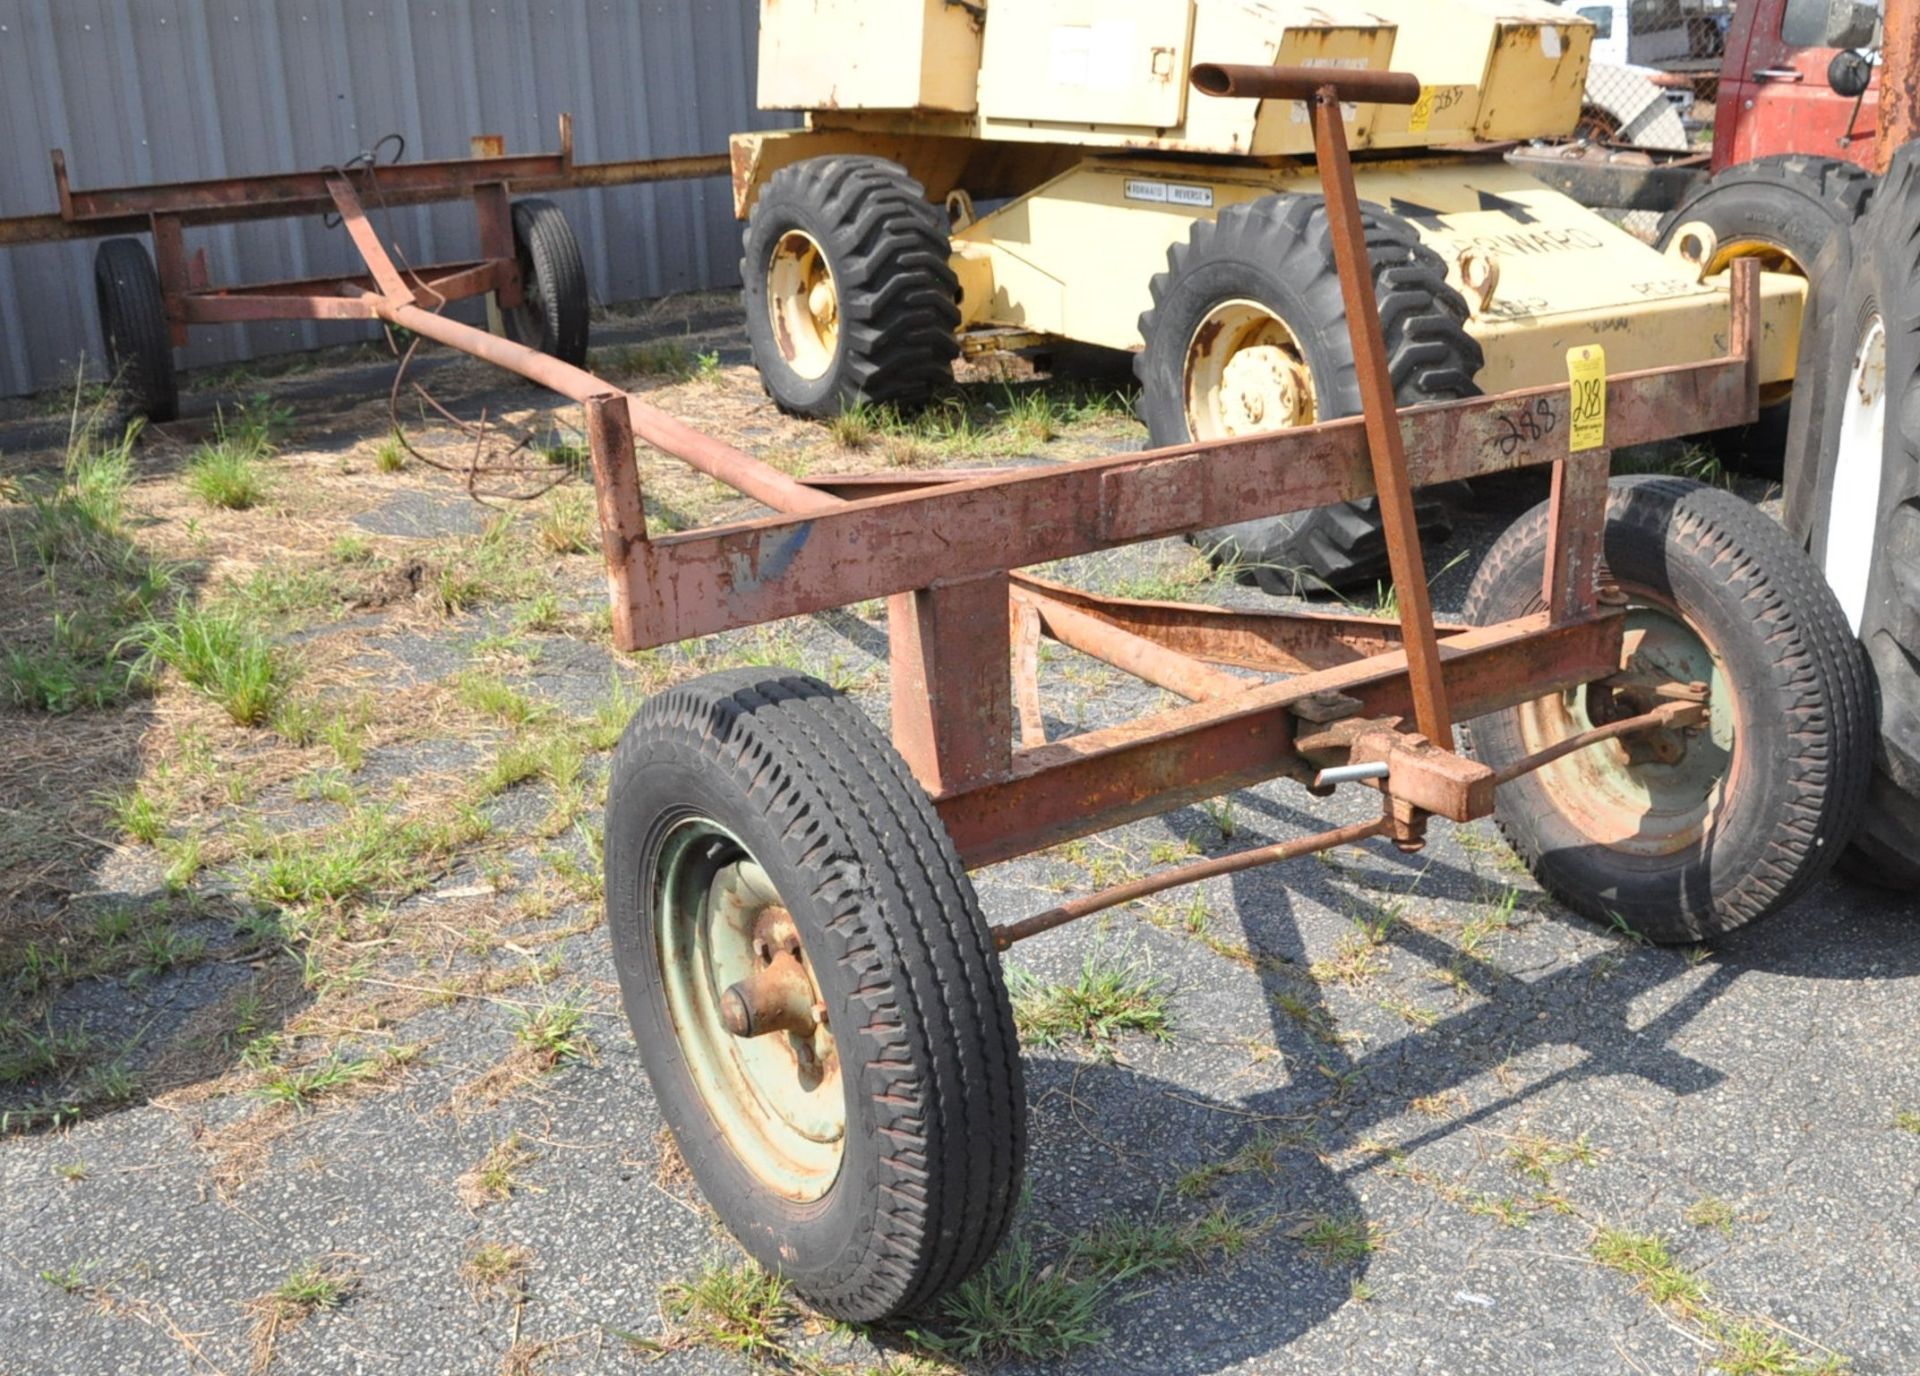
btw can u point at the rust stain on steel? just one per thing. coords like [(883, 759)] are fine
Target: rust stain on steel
[(1026, 674), (1385, 444), (1576, 518), (1100, 779), (236, 200), (1425, 776), (616, 488), (952, 697), (1899, 121), (1073, 909), (1271, 641)]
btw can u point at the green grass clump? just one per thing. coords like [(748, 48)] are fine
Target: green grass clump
[(1647, 1259), (224, 655), (371, 851), (554, 1031), (301, 1086), (229, 471), (1339, 1239), (736, 1308), (223, 475), (391, 456), (570, 523), (1016, 1307), (1111, 993)]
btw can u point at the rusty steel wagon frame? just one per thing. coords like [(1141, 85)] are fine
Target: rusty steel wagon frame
[(1362, 699), (487, 178)]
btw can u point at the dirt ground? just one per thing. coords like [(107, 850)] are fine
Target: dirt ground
[(311, 1055)]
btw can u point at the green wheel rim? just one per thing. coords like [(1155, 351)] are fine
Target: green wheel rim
[(777, 1098), (1659, 792)]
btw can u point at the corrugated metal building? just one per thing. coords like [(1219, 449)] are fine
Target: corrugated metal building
[(171, 90)]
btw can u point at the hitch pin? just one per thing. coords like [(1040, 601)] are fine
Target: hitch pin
[(1351, 773)]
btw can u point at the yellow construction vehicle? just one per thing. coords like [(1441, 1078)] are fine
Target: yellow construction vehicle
[(974, 177)]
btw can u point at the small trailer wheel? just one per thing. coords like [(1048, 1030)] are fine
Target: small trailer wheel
[(1683, 834), (553, 314), (133, 322), (815, 994)]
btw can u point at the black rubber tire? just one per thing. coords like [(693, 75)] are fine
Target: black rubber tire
[(887, 247), (133, 325), (1278, 251), (555, 316), (1884, 279), (1797, 204), (1803, 751), (936, 1125)]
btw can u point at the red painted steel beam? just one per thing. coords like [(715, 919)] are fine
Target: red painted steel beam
[(1091, 782), (700, 582)]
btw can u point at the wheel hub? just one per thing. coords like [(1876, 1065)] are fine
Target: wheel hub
[(1654, 792), (1245, 374), (1263, 388), (803, 304), (747, 1009)]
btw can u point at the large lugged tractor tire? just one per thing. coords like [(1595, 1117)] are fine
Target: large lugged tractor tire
[(1248, 333), (133, 322), (815, 994), (1681, 835), (849, 296), (1865, 507), (554, 314), (1784, 210)]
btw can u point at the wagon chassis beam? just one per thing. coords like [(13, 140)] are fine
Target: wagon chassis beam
[(1371, 699), (946, 551)]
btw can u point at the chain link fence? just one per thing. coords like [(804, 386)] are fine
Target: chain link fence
[(1656, 70)]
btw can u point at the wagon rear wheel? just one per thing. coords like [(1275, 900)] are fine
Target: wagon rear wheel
[(133, 322), (815, 994), (1682, 834)]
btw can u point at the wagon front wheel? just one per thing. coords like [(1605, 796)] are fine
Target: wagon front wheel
[(815, 994)]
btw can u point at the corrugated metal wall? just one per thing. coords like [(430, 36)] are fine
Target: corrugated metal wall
[(169, 90)]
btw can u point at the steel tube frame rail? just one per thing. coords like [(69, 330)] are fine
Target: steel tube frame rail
[(944, 550)]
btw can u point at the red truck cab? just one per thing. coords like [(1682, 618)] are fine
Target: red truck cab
[(1774, 96)]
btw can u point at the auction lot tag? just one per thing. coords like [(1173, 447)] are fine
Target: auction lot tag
[(1422, 114), (1587, 372)]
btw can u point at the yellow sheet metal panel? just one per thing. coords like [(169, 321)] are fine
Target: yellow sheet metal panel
[(1111, 62), (1491, 69), (863, 55)]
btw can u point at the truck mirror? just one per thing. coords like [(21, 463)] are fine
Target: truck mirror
[(1851, 24), (1849, 73)]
